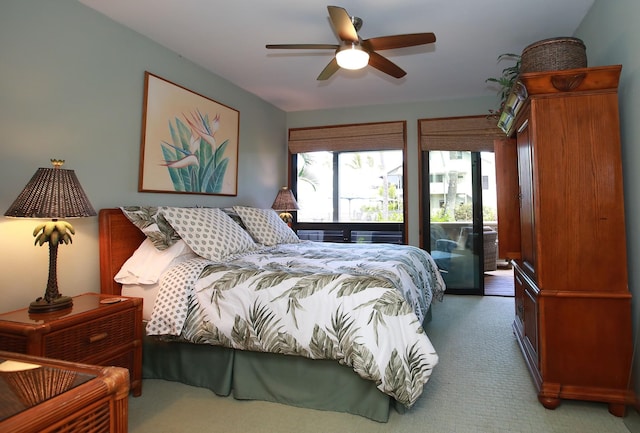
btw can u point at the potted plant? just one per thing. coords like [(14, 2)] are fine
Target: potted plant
[(506, 80)]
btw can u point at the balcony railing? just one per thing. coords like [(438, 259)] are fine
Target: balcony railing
[(390, 233)]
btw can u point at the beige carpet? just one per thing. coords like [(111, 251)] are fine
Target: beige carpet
[(480, 385)]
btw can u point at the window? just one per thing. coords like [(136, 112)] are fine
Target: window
[(349, 182), (350, 186)]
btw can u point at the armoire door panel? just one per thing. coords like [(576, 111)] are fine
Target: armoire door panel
[(527, 197), (508, 198)]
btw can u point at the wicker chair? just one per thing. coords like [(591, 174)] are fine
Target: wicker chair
[(490, 245)]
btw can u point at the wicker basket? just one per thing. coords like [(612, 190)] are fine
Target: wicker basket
[(554, 54)]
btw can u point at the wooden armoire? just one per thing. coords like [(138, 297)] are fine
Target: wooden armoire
[(572, 301)]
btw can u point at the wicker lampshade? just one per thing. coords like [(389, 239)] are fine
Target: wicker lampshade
[(285, 201), (52, 193)]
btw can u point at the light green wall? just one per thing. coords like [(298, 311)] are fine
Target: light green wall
[(612, 36), (71, 87)]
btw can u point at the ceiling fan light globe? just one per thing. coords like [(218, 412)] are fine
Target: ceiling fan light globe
[(352, 57)]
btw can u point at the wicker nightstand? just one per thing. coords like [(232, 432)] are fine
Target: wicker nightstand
[(90, 332)]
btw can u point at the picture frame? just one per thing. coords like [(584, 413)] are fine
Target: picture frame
[(189, 142)]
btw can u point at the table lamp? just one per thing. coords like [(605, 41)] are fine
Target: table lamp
[(53, 193), (285, 203)]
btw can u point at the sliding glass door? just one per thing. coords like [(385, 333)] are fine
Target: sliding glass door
[(452, 198)]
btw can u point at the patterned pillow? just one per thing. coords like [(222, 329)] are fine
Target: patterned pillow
[(209, 232), (153, 224), (265, 226)]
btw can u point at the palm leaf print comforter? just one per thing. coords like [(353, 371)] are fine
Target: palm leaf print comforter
[(359, 304)]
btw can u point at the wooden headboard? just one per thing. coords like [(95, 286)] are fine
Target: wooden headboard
[(119, 238)]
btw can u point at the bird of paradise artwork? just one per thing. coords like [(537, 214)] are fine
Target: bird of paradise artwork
[(195, 160)]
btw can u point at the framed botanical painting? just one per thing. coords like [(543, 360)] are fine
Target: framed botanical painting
[(189, 142)]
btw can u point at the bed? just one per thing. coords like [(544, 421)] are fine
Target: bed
[(197, 349)]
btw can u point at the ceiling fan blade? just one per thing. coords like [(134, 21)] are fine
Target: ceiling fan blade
[(342, 24), (303, 46), (385, 65), (329, 70), (398, 41)]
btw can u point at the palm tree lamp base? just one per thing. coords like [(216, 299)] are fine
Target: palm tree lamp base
[(54, 233), (41, 305), (287, 218)]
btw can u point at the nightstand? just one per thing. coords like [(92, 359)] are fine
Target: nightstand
[(90, 332)]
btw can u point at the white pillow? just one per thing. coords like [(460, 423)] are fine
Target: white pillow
[(209, 232), (148, 263), (265, 226)]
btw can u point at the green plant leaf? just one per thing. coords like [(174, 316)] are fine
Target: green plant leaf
[(219, 154), (169, 154), (205, 156), (508, 78), (216, 182)]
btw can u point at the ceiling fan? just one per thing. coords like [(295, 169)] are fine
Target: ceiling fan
[(354, 52)]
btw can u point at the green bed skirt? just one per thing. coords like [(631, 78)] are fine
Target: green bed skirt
[(291, 380)]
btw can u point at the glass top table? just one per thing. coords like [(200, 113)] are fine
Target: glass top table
[(25, 384)]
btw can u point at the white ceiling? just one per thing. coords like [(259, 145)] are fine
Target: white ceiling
[(228, 38)]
